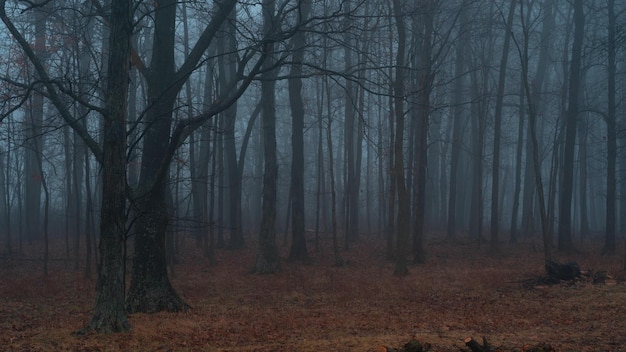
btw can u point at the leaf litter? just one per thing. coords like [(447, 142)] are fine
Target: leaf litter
[(462, 291)]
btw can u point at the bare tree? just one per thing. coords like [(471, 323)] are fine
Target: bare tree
[(565, 203), (402, 227), (611, 128), (298, 244), (497, 129), (268, 260)]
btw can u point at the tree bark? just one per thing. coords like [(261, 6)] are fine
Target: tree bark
[(268, 259), (457, 130), (298, 240), (227, 62), (402, 226), (565, 203), (109, 314), (611, 142), (498, 131), (150, 289), (422, 113), (34, 140)]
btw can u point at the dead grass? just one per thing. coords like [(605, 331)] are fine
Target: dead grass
[(461, 291)]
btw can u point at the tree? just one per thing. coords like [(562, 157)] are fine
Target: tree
[(109, 314), (298, 244), (497, 129), (458, 114), (402, 227), (565, 203), (422, 113), (34, 140), (611, 128), (268, 260), (227, 63)]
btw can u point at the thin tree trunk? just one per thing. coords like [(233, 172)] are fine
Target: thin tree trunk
[(333, 194), (398, 170), (298, 240), (425, 78), (34, 138), (457, 130), (268, 259), (565, 209), (498, 131), (518, 168), (611, 142)]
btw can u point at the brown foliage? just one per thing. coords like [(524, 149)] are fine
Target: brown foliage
[(461, 291)]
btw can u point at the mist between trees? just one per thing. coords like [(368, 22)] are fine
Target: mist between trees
[(129, 124)]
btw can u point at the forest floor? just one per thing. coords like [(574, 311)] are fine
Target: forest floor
[(461, 291)]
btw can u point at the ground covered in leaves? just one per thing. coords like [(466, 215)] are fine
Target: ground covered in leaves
[(462, 291)]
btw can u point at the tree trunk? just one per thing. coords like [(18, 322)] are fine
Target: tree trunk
[(457, 131), (227, 62), (529, 192), (34, 140), (268, 259), (611, 142), (497, 131), (4, 203), (402, 226), (350, 146), (565, 203), (109, 314), (532, 133), (333, 194), (298, 240), (518, 168), (425, 79), (150, 289)]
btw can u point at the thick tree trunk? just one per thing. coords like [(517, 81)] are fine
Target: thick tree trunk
[(109, 314), (150, 289)]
